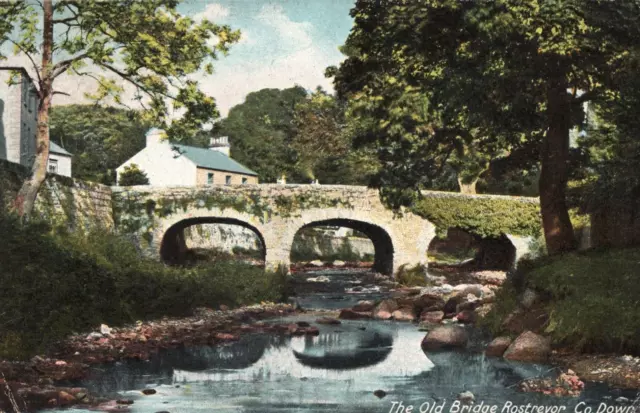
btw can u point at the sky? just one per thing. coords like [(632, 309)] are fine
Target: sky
[(283, 43)]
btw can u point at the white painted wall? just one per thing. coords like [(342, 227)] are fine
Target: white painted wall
[(162, 166), (64, 164)]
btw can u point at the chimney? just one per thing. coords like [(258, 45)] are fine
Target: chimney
[(154, 136), (220, 144)]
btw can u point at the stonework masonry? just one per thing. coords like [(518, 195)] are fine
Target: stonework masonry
[(73, 203), (275, 213)]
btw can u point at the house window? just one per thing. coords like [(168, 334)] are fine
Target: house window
[(227, 180), (210, 178), (245, 180), (53, 166)]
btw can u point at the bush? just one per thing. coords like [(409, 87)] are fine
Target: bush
[(55, 284), (592, 298), (133, 175), (412, 276)]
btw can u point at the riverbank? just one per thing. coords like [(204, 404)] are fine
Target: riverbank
[(35, 384)]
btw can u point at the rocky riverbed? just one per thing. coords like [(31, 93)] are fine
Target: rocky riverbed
[(443, 314)]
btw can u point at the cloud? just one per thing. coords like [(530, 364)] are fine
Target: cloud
[(212, 12), (297, 33)]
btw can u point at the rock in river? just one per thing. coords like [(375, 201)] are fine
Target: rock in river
[(529, 347), (445, 337), (497, 347)]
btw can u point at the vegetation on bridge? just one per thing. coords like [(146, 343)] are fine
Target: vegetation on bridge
[(136, 212), (487, 217)]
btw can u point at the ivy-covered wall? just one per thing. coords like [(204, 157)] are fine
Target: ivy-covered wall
[(488, 216), (136, 209), (62, 201)]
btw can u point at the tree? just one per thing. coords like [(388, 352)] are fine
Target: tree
[(506, 72), (261, 130), (323, 143), (101, 138), (145, 44), (133, 175)]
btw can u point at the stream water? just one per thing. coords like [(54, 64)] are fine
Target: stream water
[(337, 371)]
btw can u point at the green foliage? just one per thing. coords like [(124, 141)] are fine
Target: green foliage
[(322, 144), (593, 297), (485, 217), (133, 175), (440, 82), (57, 284), (415, 276), (505, 303), (100, 138), (261, 130), (148, 45)]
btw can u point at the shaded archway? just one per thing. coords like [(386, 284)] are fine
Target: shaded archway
[(382, 242), (460, 248), (174, 249)]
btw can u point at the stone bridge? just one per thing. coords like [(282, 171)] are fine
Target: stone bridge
[(157, 217)]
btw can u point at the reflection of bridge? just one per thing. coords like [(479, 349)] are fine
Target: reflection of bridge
[(157, 216)]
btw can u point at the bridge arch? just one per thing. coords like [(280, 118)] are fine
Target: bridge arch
[(169, 240), (382, 241)]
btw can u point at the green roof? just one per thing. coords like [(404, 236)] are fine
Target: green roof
[(54, 148), (210, 159)]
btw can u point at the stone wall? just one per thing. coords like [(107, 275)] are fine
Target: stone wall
[(159, 216), (73, 203)]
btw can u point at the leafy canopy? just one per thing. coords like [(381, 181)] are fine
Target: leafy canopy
[(144, 45)]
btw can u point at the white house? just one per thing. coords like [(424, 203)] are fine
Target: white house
[(169, 164), (59, 160)]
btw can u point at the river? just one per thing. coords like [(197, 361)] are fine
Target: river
[(336, 371)]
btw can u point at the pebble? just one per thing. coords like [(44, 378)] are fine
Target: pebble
[(380, 393), (466, 397)]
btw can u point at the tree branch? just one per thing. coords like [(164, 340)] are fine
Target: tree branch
[(63, 65), (35, 67)]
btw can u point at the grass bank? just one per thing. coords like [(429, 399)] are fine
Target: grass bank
[(54, 284), (592, 298)]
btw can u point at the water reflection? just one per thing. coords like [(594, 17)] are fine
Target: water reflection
[(336, 371), (346, 350)]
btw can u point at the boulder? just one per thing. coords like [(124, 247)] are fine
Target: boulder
[(338, 263), (466, 397), (429, 302), (316, 263), (328, 321), (364, 306), (466, 289), (529, 347), (349, 314), (497, 347), (490, 277), (385, 309), (520, 321), (466, 317), (403, 314), (431, 317), (445, 337)]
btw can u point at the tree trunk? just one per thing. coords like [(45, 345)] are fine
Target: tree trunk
[(26, 198), (558, 230), (467, 187)]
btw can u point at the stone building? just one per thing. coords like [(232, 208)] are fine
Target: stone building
[(170, 164), (18, 116), (19, 122)]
